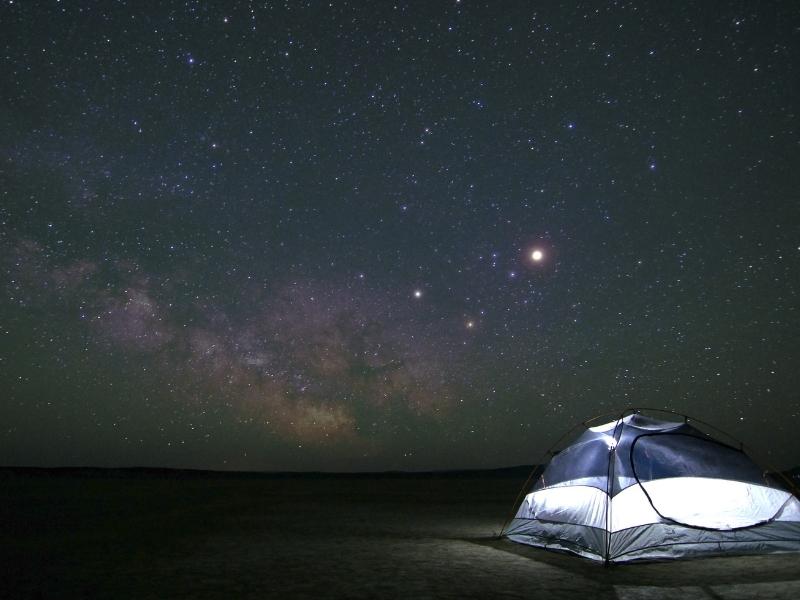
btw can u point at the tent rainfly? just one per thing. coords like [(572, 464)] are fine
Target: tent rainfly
[(640, 488)]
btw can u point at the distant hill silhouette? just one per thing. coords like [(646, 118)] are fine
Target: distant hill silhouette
[(164, 473), (520, 472)]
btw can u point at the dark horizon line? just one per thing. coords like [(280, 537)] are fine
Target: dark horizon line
[(111, 472), (176, 472)]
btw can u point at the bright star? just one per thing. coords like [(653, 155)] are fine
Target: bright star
[(417, 293)]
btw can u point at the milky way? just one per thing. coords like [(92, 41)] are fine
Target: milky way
[(392, 236)]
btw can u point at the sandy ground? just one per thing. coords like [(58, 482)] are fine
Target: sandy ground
[(297, 537)]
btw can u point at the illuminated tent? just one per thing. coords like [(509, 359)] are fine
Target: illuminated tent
[(642, 488)]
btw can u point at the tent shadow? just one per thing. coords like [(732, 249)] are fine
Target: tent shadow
[(698, 571)]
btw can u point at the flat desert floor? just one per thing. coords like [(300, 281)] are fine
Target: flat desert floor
[(318, 537)]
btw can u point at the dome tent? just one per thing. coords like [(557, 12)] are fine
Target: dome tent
[(644, 488)]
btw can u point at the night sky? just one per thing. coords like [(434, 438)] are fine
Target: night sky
[(301, 235)]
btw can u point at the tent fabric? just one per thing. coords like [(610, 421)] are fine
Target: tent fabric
[(643, 488)]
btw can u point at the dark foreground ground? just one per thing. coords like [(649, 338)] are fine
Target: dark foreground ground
[(161, 536)]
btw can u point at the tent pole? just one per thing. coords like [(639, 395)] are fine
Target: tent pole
[(612, 453)]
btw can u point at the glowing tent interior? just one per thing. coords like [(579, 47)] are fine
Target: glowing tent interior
[(640, 487)]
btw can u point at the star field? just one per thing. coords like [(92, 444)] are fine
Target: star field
[(413, 235)]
